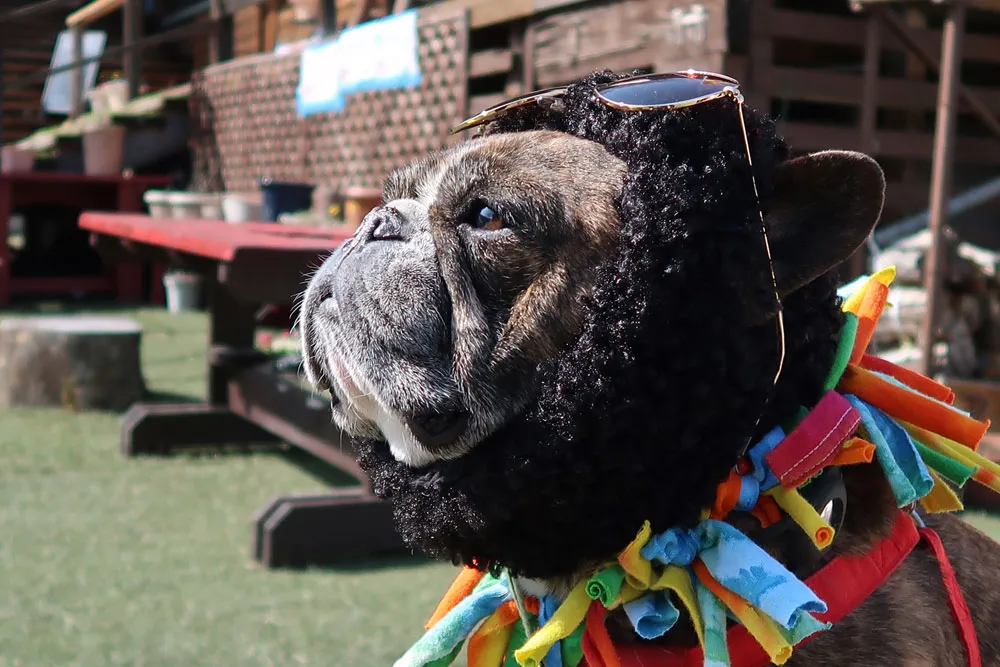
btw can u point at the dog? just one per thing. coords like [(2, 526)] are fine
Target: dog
[(551, 333)]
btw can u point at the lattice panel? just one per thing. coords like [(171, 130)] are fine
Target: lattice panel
[(253, 130)]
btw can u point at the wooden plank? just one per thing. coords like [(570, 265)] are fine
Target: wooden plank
[(492, 12), (490, 62), (827, 29), (624, 35), (92, 12), (888, 143), (794, 83)]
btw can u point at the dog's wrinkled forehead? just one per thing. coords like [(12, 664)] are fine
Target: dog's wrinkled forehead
[(540, 177)]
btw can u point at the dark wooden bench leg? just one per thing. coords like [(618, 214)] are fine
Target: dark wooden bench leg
[(325, 529), (160, 428)]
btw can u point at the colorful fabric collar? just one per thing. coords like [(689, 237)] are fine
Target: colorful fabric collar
[(872, 410)]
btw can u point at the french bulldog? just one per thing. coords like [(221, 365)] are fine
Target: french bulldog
[(539, 340)]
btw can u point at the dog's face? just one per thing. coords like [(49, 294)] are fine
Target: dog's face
[(539, 344), (429, 323)]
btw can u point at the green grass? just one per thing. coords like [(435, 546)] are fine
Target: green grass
[(110, 561)]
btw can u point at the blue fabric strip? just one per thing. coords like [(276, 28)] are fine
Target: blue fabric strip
[(652, 615), (442, 639), (747, 570), (546, 607), (896, 453)]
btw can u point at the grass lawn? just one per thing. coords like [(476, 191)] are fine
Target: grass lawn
[(108, 561)]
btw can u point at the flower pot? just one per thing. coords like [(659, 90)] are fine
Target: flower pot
[(104, 151), (158, 202), (185, 205), (14, 160), (278, 198), (358, 202)]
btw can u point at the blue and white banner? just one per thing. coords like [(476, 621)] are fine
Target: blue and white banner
[(377, 55)]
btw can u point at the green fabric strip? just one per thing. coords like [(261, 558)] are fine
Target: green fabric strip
[(954, 471), (517, 639), (572, 647), (844, 347), (447, 660), (606, 585)]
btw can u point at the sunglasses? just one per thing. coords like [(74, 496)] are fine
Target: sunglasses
[(659, 92)]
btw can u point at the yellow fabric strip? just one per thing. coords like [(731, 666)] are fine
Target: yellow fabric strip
[(941, 498), (678, 580), (798, 508), (884, 276), (491, 643), (638, 570), (564, 621)]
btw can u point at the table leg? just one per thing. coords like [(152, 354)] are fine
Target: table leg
[(232, 326), (128, 275), (157, 295), (6, 209)]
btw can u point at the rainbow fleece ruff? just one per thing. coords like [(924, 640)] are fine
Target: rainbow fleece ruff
[(872, 410)]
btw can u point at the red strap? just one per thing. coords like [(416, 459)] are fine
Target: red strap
[(956, 599), (843, 584), (815, 441)]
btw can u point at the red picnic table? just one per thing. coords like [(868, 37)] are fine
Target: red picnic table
[(114, 193), (249, 401)]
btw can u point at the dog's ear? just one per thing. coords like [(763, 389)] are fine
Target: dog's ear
[(822, 209)]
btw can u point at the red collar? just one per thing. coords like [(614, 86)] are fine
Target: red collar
[(844, 584)]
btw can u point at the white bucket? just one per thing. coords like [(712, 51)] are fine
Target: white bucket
[(183, 292), (158, 202), (239, 208), (104, 151)]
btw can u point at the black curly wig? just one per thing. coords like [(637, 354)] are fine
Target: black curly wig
[(671, 376)]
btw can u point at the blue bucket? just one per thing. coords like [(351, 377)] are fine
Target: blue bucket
[(278, 198)]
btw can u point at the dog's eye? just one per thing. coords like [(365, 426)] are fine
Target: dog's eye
[(488, 219)]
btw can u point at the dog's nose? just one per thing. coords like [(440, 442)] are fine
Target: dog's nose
[(386, 223)]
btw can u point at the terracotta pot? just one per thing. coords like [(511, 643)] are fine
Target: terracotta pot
[(358, 202)]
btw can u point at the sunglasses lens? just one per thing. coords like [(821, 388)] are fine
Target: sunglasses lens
[(662, 91)]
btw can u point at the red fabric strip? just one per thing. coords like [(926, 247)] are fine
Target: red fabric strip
[(815, 441), (598, 651), (956, 599), (911, 379), (843, 584)]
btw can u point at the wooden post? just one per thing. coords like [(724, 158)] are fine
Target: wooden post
[(221, 44), (132, 29), (2, 81), (328, 16), (941, 174), (76, 74), (869, 114)]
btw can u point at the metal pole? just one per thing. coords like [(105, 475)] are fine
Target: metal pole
[(76, 76), (328, 17), (132, 25), (941, 175)]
